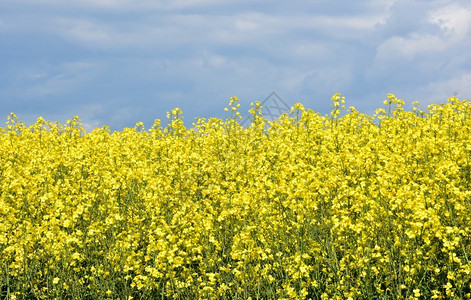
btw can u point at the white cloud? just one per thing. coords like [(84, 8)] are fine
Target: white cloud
[(362, 22), (311, 50), (401, 48), (61, 80), (89, 127), (249, 29), (217, 61), (434, 44), (113, 36), (88, 31), (35, 75), (383, 5), (433, 91), (122, 5), (248, 25), (453, 20), (329, 79), (83, 31), (440, 90)]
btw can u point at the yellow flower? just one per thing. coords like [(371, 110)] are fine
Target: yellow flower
[(309, 204)]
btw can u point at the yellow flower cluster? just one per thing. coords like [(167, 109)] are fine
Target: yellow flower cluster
[(342, 206)]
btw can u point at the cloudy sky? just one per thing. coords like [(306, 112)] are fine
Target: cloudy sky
[(117, 62)]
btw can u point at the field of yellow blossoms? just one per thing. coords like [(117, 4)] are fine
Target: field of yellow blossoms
[(341, 206)]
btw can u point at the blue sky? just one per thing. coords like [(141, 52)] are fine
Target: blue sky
[(117, 62)]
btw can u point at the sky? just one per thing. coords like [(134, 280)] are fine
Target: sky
[(118, 62)]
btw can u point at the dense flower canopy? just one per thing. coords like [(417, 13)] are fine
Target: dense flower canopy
[(343, 206)]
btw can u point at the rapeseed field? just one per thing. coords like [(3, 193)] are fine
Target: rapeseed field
[(342, 206)]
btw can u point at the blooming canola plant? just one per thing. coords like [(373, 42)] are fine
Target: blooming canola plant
[(342, 206)]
